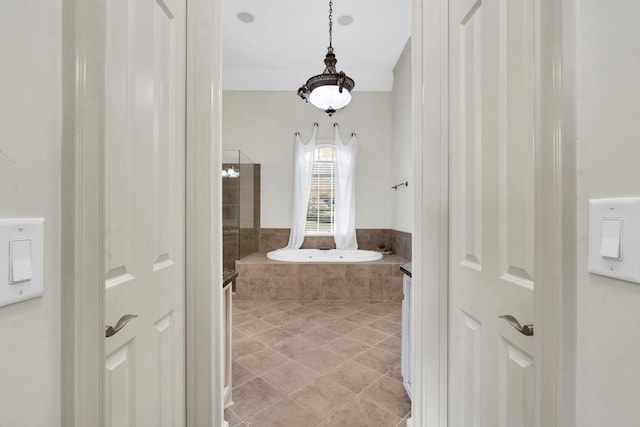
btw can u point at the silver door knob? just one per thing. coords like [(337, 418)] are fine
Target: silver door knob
[(112, 330), (524, 330)]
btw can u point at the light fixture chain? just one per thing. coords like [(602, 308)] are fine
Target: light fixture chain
[(330, 23)]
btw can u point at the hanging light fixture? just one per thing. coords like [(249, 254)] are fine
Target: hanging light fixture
[(329, 91)]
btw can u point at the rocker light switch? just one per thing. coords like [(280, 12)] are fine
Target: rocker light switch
[(610, 243), (20, 269), (614, 238), (21, 259)]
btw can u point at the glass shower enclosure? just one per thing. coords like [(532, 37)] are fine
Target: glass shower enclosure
[(240, 207)]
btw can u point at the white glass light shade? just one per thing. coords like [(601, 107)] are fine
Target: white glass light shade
[(325, 97)]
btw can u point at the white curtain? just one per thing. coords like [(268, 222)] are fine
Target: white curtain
[(302, 174), (345, 197)]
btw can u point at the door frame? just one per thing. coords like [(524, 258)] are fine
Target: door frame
[(82, 362), (82, 190), (555, 189)]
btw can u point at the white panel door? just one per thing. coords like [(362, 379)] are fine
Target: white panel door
[(492, 60), (144, 207)]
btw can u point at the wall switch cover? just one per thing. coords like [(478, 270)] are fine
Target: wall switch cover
[(614, 238), (21, 259)]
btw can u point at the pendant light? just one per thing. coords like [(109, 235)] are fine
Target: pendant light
[(329, 91)]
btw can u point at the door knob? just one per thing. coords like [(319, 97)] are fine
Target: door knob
[(112, 330), (524, 330)]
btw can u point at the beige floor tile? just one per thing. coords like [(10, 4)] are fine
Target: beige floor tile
[(263, 361), (377, 359), (388, 394), (361, 413), (254, 327), (272, 336), (232, 418), (354, 376), (319, 335), (368, 335), (240, 374), (361, 318), (260, 311), (385, 326), (285, 413), (377, 310), (346, 347), (341, 310), (294, 347), (391, 305), (241, 318), (244, 346), (245, 305), (322, 397), (279, 318), (321, 305), (282, 341), (320, 318), (297, 326), (396, 316), (396, 372), (319, 360), (343, 326), (403, 423), (284, 305), (392, 344), (254, 396), (290, 377), (300, 311)]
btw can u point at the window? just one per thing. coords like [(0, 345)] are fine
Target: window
[(320, 213)]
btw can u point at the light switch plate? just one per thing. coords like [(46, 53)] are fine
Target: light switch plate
[(607, 212), (21, 229)]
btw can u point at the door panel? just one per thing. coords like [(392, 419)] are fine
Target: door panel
[(144, 211), (119, 385), (516, 386), (491, 220)]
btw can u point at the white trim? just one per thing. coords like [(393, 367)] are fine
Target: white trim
[(82, 219), (555, 257), (205, 405), (82, 191), (430, 244)]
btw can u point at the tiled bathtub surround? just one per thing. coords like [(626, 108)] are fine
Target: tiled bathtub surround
[(317, 363), (259, 278), (368, 238)]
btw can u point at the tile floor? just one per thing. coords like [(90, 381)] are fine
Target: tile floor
[(317, 363)]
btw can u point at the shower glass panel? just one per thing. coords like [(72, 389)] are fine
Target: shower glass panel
[(240, 207)]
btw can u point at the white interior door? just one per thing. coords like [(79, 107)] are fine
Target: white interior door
[(492, 65), (144, 218)]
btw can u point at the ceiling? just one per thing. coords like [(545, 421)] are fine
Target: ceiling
[(287, 41)]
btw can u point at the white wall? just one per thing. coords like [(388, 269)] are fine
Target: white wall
[(262, 125), (402, 158), (30, 117), (608, 130)]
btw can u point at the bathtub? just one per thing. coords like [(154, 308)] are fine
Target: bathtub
[(321, 255)]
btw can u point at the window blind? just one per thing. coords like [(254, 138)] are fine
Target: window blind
[(320, 213)]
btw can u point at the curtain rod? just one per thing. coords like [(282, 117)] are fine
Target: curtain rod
[(334, 125)]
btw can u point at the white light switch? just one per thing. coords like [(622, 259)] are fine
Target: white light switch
[(610, 243), (20, 261), (614, 238)]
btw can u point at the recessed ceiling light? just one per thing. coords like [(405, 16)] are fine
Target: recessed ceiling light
[(245, 17), (345, 20)]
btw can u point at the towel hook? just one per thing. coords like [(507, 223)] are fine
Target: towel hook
[(395, 187)]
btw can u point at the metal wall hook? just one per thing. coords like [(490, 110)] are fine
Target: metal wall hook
[(112, 330), (524, 330), (395, 187)]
